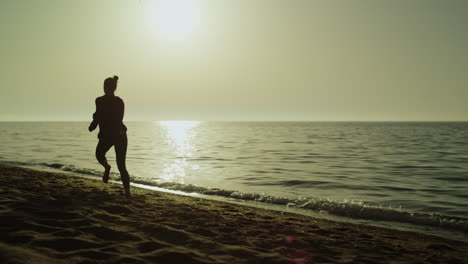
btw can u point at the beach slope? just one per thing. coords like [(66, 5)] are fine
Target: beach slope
[(52, 218)]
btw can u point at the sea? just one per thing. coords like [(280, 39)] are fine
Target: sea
[(402, 175)]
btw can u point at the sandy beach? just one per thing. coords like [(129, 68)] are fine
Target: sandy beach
[(53, 218)]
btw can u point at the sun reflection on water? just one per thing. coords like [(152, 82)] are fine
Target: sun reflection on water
[(179, 135)]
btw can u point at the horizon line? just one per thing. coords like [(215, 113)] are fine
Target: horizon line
[(298, 121)]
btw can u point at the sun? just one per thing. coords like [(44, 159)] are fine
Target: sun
[(175, 20)]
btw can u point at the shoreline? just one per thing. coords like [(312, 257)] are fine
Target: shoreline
[(55, 218), (438, 225)]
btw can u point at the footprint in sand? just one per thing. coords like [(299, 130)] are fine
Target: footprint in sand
[(92, 255), (150, 246), (65, 244), (108, 234)]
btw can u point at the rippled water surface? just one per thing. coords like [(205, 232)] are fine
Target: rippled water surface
[(415, 168)]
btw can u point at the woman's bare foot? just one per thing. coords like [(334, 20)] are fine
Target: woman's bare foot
[(105, 177), (127, 192)]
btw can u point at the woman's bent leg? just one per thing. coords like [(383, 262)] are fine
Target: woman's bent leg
[(121, 154), (101, 149)]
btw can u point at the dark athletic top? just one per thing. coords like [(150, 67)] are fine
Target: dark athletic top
[(109, 115)]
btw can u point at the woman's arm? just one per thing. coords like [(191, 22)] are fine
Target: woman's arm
[(122, 113), (95, 121)]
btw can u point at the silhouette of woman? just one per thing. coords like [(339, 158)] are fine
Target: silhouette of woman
[(112, 132)]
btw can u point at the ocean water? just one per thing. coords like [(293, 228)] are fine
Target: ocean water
[(398, 175)]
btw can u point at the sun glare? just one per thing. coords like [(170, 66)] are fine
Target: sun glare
[(179, 136), (175, 20)]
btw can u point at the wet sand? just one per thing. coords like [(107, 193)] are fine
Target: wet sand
[(52, 218)]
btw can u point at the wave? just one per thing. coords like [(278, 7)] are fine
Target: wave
[(349, 209)]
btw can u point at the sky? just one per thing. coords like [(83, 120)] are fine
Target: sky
[(236, 60)]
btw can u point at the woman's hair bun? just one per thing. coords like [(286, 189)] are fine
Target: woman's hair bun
[(116, 77)]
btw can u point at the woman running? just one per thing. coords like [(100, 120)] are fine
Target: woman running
[(112, 132)]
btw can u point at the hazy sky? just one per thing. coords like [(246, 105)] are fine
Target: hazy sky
[(236, 60)]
